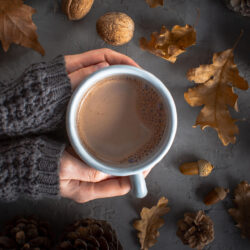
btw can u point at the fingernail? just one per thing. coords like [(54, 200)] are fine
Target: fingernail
[(102, 65)]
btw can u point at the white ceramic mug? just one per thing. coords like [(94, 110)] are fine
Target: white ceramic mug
[(134, 170)]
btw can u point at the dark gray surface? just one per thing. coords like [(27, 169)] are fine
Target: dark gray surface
[(217, 30)]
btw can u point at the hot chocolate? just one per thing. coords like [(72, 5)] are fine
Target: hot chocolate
[(121, 119)]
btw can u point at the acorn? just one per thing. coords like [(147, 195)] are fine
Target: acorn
[(201, 167), (216, 195)]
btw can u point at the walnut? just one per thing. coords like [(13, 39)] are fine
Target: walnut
[(115, 28), (76, 9)]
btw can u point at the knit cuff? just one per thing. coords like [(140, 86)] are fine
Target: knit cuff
[(46, 183), (30, 167), (57, 80)]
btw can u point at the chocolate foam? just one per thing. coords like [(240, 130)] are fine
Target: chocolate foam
[(121, 119)]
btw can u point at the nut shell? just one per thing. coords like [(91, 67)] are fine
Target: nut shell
[(189, 168), (76, 9), (115, 28)]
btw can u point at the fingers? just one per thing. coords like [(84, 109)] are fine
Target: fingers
[(110, 188), (72, 168), (76, 62), (77, 76), (85, 191), (114, 57)]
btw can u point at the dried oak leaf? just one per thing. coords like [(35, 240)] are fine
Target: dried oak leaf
[(241, 214), (154, 3), (215, 92), (169, 44), (150, 222), (16, 25)]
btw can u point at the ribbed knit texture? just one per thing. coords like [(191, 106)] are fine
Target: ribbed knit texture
[(37, 101), (29, 166)]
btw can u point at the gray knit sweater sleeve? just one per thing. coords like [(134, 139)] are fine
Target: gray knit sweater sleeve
[(29, 166), (36, 101)]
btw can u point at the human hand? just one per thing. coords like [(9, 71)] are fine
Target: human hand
[(81, 65), (83, 183)]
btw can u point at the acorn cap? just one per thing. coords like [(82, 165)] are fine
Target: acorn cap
[(221, 192), (205, 168)]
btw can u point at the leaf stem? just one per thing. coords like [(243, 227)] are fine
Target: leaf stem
[(238, 39)]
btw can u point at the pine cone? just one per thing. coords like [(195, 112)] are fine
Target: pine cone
[(26, 233), (241, 6), (196, 230), (90, 234), (241, 214)]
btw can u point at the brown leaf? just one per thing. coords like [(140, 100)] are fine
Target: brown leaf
[(150, 223), (215, 92), (169, 44), (16, 25), (154, 3), (241, 214)]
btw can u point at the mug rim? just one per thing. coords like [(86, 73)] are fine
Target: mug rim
[(86, 85)]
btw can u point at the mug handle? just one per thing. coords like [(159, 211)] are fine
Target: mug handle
[(139, 188)]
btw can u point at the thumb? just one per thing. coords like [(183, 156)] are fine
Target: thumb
[(72, 168), (77, 76)]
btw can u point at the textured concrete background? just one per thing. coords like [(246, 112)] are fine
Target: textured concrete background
[(217, 30)]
